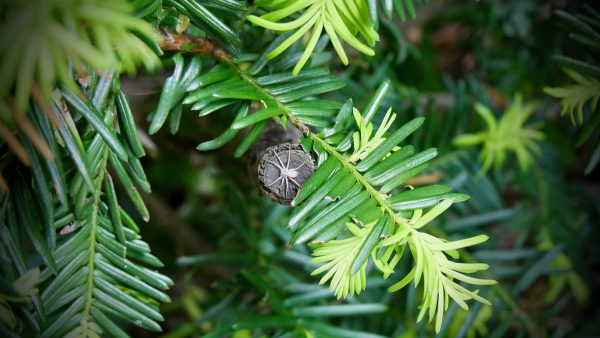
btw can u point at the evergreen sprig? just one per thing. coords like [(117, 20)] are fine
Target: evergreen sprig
[(64, 212), (102, 259)]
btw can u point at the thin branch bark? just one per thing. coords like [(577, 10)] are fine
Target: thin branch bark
[(191, 44)]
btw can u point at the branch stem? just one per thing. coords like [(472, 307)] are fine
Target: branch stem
[(192, 44), (92, 249)]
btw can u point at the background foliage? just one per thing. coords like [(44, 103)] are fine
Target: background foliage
[(76, 184)]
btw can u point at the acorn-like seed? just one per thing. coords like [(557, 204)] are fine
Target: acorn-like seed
[(282, 170)]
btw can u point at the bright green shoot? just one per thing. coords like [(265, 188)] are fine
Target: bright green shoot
[(440, 275), (363, 143), (342, 20), (506, 135), (384, 238)]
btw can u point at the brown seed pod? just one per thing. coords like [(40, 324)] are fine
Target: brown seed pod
[(283, 169)]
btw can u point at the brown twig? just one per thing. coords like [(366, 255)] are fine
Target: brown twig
[(192, 44), (38, 97), (14, 144), (38, 141), (29, 130)]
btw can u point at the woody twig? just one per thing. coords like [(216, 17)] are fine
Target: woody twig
[(194, 45)]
